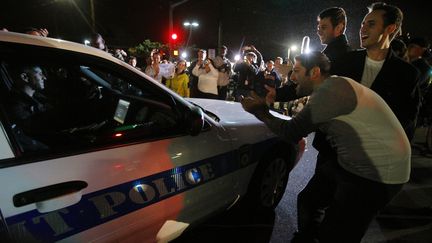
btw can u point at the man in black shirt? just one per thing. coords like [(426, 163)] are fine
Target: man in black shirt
[(25, 102), (331, 31)]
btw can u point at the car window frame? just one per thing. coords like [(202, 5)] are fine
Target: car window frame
[(68, 56)]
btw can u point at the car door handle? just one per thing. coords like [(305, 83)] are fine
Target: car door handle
[(48, 192)]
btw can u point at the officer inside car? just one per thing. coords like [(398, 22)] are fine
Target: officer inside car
[(25, 102)]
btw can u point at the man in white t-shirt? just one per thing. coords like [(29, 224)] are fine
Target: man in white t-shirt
[(373, 151), (377, 67)]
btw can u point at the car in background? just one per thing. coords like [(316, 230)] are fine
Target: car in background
[(105, 153)]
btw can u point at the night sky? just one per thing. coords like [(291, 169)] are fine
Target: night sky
[(271, 25)]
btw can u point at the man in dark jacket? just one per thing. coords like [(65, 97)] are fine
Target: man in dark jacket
[(331, 28), (246, 70), (390, 77), (417, 49), (267, 77), (378, 68), (331, 31)]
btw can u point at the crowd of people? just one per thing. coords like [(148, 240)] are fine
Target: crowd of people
[(363, 105)]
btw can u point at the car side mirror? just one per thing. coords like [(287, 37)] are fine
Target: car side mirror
[(195, 120)]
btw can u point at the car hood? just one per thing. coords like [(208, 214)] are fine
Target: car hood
[(229, 112)]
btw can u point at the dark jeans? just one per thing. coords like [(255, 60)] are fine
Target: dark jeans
[(338, 206), (193, 87), (241, 92), (222, 92), (203, 95)]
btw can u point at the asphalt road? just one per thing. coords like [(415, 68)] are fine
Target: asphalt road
[(407, 219)]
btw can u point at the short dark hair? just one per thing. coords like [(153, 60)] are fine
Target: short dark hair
[(251, 53), (315, 59), (337, 15), (398, 45), (95, 36), (420, 41), (392, 15), (30, 29)]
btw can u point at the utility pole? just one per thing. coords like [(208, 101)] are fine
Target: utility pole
[(170, 19), (219, 41), (171, 10), (92, 15)]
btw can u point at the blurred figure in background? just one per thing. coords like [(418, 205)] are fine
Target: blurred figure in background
[(283, 70), (37, 32), (180, 82), (223, 65), (267, 77), (246, 71), (133, 62), (97, 41), (400, 49), (153, 70), (417, 48), (207, 80), (193, 79)]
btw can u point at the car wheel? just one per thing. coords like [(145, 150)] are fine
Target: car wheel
[(269, 182)]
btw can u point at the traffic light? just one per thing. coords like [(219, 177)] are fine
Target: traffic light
[(174, 36)]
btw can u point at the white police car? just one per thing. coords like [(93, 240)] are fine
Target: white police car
[(93, 150)]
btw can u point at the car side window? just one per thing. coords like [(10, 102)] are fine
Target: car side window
[(62, 106)]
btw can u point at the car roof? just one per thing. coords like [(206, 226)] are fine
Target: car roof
[(13, 37), (20, 38)]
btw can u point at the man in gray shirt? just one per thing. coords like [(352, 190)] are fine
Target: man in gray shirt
[(372, 148)]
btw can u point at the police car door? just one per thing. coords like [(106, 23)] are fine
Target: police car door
[(106, 157)]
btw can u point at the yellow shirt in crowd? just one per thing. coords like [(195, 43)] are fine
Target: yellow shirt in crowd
[(179, 84)]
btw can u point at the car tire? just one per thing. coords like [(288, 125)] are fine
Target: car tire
[(269, 181)]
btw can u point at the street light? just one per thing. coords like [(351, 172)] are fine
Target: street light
[(193, 24), (190, 25), (292, 48), (305, 45)]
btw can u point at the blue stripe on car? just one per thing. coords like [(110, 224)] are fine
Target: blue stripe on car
[(102, 206)]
